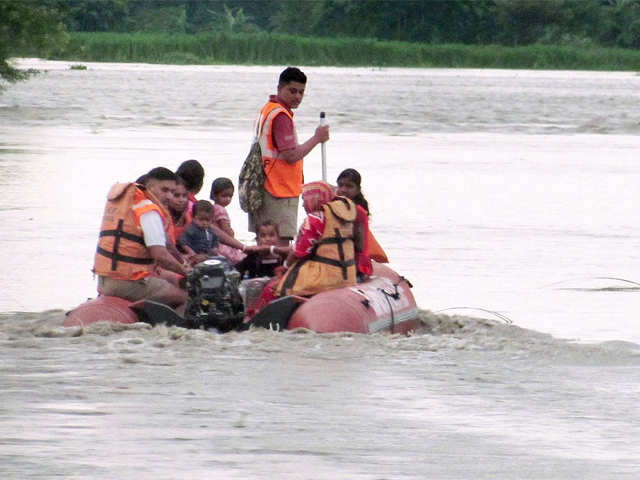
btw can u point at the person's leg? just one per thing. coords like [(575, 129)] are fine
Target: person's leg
[(160, 290), (132, 290), (288, 221), (284, 213), (150, 288)]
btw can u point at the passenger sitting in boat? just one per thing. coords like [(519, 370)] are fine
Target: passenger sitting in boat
[(323, 256), (198, 238), (221, 193), (164, 195), (178, 203), (367, 247), (133, 240), (349, 186), (192, 172), (263, 263)]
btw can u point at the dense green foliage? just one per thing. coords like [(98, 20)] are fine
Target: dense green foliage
[(276, 49), (505, 33), (26, 26), (614, 23)]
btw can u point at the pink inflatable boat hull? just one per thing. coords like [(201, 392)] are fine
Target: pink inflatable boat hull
[(384, 303)]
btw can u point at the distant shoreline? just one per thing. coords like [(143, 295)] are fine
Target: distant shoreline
[(275, 49)]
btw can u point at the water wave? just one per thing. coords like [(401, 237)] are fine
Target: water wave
[(438, 333)]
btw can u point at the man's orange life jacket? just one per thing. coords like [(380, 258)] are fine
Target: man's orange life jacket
[(332, 263), (121, 252), (282, 179)]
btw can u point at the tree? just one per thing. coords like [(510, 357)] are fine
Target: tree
[(622, 23), (27, 27)]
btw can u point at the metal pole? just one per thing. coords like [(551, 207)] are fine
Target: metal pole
[(323, 149)]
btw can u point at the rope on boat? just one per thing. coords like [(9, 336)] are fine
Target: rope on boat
[(502, 317), (395, 295), (617, 279)]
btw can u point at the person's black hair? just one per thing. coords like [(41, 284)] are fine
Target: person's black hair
[(181, 181), (142, 179), (159, 173), (220, 184), (202, 205), (193, 174), (353, 176), (292, 74), (268, 223)]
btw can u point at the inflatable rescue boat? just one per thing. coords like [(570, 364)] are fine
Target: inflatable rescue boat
[(383, 303)]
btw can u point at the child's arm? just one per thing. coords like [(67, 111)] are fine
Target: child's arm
[(214, 245), (222, 220), (283, 251), (225, 225)]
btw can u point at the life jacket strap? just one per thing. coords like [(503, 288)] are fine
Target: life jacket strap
[(119, 233), (330, 240), (339, 240), (115, 258), (341, 264)]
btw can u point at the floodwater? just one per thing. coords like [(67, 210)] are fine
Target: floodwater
[(499, 194)]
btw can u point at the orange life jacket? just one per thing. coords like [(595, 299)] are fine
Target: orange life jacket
[(282, 179), (121, 252), (178, 229), (332, 263)]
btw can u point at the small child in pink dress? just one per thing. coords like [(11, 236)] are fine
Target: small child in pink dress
[(221, 193)]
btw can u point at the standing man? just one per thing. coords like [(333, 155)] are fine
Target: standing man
[(282, 156), (133, 239)]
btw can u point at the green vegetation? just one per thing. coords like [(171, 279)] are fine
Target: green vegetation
[(581, 34), (275, 49), (26, 27)]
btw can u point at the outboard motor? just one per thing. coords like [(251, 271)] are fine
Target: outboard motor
[(214, 300)]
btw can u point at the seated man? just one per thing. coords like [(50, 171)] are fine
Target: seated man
[(133, 240)]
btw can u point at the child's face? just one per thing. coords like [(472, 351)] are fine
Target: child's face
[(203, 220), (179, 200), (267, 235), (347, 188), (224, 197)]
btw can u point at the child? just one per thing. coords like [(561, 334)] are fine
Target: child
[(199, 237), (263, 263), (180, 214), (366, 245), (222, 193), (192, 172)]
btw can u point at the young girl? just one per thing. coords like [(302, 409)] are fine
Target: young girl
[(367, 247), (180, 214), (222, 193), (192, 172)]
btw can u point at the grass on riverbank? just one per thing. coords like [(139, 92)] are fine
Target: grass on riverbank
[(272, 49)]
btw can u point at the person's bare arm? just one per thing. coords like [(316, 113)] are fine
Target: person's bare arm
[(282, 250), (164, 259), (173, 250), (292, 156), (358, 234), (225, 226), (227, 239)]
